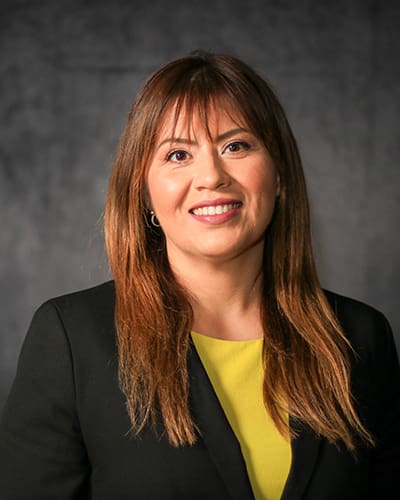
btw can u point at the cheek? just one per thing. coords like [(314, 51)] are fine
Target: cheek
[(263, 184), (165, 192), (263, 188)]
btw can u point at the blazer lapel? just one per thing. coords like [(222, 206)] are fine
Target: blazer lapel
[(305, 450), (218, 436), (224, 448)]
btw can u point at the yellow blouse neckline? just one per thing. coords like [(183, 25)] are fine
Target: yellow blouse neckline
[(238, 341)]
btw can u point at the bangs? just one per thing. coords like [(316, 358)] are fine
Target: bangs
[(205, 93), (188, 109)]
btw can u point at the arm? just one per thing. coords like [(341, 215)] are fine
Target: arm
[(386, 463), (41, 450)]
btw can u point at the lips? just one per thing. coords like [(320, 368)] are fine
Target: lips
[(215, 207)]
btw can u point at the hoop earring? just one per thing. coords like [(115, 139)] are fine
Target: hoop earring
[(154, 219)]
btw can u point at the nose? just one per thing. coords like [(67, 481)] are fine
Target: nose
[(211, 173)]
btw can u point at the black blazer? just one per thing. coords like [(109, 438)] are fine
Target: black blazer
[(64, 430)]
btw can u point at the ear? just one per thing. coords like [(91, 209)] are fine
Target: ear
[(277, 185)]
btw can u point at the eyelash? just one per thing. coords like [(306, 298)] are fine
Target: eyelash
[(244, 145), (172, 153)]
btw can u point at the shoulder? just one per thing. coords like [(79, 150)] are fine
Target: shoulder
[(367, 328), (97, 298), (352, 312), (91, 305), (83, 317)]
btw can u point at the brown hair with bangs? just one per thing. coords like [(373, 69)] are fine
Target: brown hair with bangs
[(306, 354)]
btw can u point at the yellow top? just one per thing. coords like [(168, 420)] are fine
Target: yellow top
[(236, 373)]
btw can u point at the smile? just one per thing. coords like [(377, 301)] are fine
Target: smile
[(216, 209)]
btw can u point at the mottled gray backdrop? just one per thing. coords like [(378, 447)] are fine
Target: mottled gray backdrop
[(69, 71)]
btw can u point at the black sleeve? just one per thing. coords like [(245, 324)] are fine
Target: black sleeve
[(42, 455), (386, 464)]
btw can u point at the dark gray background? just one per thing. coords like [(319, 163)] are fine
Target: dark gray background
[(69, 71)]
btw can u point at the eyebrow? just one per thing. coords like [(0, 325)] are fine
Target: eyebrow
[(182, 140)]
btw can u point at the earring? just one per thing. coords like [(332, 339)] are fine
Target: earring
[(154, 219)]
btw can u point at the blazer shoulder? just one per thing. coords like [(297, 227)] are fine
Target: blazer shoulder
[(363, 324), (343, 305), (97, 301), (102, 295), (83, 313)]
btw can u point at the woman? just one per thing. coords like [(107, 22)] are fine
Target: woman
[(214, 366)]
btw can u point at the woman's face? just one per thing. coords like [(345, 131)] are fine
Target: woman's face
[(213, 194)]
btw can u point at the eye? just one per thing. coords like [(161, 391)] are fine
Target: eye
[(177, 156), (237, 146)]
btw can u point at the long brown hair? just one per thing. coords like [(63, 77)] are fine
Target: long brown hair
[(306, 354)]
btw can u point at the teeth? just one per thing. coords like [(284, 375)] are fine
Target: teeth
[(216, 209)]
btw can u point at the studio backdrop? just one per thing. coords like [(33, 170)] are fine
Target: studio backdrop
[(70, 70)]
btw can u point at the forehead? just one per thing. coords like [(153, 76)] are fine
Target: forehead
[(189, 121)]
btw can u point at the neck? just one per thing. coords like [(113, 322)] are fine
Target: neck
[(225, 295)]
